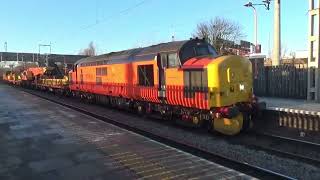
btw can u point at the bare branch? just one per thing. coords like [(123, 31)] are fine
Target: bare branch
[(89, 51), (219, 32), (284, 50)]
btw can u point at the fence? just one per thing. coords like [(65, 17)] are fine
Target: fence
[(281, 81)]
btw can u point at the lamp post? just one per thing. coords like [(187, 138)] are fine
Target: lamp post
[(255, 23), (45, 45), (277, 34), (251, 5)]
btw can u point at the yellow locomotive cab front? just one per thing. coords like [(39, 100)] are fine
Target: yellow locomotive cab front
[(229, 82)]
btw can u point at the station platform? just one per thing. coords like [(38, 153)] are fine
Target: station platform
[(292, 105), (42, 140)]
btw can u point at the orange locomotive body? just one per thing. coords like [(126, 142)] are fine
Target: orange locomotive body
[(183, 80), (152, 74)]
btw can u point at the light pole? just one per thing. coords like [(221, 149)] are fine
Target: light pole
[(277, 34), (5, 46), (251, 5), (45, 45), (255, 24)]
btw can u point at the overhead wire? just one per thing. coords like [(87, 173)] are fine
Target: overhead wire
[(111, 17), (122, 12)]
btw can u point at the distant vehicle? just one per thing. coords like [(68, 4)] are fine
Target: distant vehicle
[(12, 77)]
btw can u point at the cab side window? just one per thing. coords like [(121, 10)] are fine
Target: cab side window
[(195, 81), (164, 60), (99, 73), (145, 75), (173, 60), (170, 60)]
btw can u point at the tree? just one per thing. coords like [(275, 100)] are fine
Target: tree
[(284, 51), (89, 51), (219, 32)]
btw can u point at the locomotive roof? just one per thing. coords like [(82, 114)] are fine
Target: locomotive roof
[(144, 53)]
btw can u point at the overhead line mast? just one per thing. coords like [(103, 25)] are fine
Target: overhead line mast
[(277, 34)]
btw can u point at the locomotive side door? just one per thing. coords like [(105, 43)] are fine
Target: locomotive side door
[(162, 61), (76, 70)]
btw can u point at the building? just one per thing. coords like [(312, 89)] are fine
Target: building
[(298, 59)]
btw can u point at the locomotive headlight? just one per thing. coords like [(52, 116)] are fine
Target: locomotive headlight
[(232, 75), (241, 86)]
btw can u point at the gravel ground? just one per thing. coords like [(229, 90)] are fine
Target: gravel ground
[(207, 142), (265, 142)]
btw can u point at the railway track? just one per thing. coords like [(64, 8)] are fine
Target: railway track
[(293, 148), (255, 171)]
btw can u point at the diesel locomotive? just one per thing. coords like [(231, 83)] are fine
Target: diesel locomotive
[(186, 81)]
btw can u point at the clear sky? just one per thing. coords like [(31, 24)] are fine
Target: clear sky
[(121, 24)]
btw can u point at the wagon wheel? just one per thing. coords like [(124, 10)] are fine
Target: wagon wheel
[(210, 125)]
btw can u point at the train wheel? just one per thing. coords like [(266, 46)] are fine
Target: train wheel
[(247, 120), (141, 109), (197, 120), (113, 102), (167, 115), (210, 125)]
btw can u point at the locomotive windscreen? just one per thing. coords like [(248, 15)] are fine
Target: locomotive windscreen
[(202, 50), (196, 48)]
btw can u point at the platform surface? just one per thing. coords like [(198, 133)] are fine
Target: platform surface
[(293, 105), (42, 140)]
